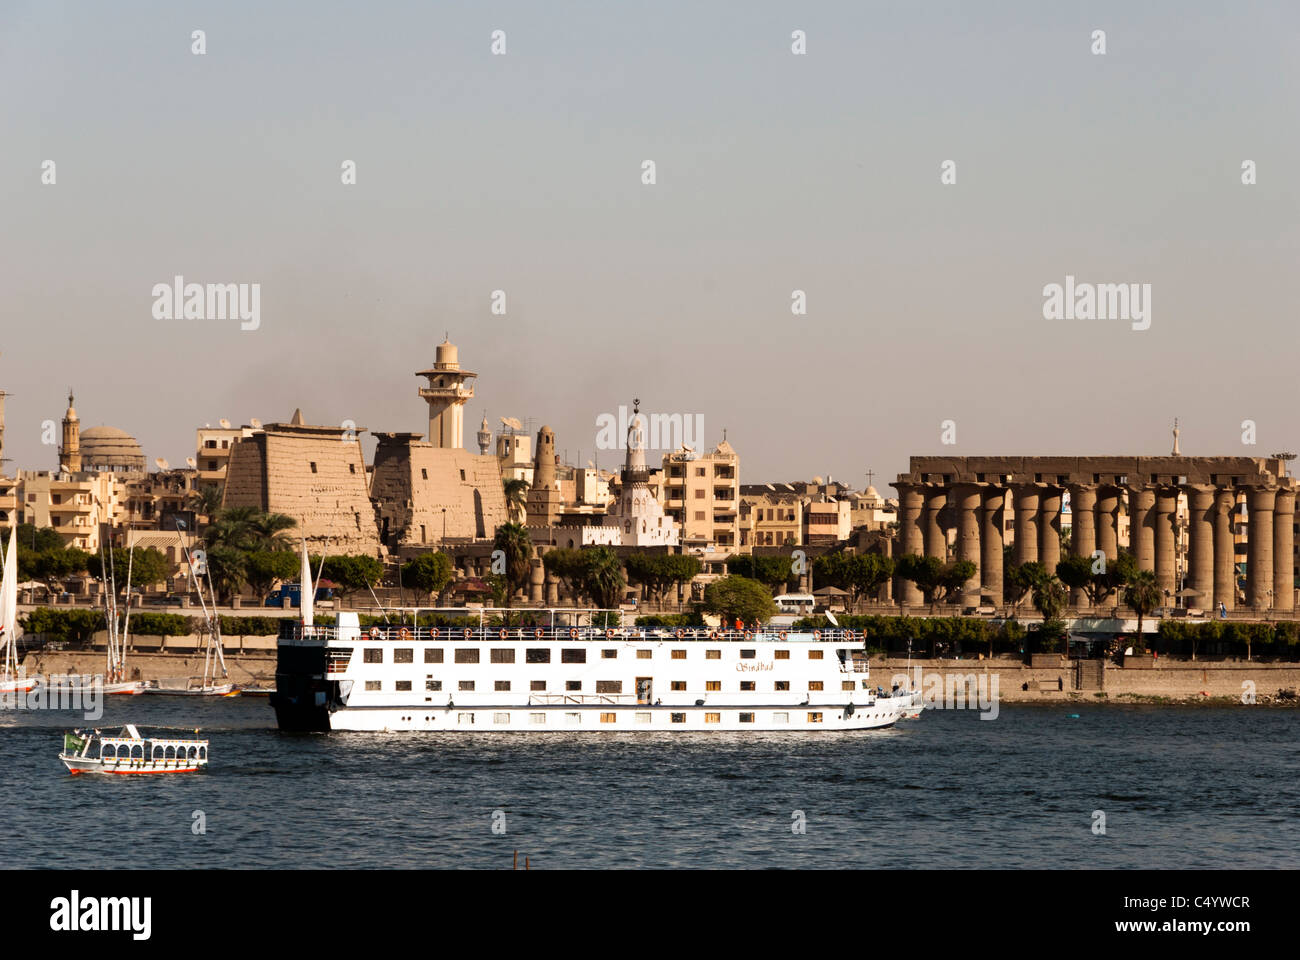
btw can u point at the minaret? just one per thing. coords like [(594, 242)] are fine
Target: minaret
[(634, 468), (1175, 453), (544, 503), (70, 452), (449, 389), (484, 437)]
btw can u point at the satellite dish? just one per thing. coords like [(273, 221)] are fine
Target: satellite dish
[(192, 462), (512, 423), (831, 617), (688, 448), (255, 423), (161, 464), (225, 424), (590, 464)]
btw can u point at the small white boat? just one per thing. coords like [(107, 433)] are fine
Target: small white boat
[(90, 683), (191, 687), (91, 751)]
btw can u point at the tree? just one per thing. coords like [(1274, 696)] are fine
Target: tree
[(1142, 595), (226, 566), (602, 577), (659, 571), (517, 499), (773, 571), (206, 500), (264, 567), (739, 598), (269, 531), (429, 572), (936, 580), (858, 573), (147, 567), (516, 545), (351, 572), (565, 564), (1020, 581)]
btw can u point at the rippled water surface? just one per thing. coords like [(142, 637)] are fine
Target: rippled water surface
[(1179, 787)]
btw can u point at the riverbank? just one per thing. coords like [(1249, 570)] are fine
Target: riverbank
[(246, 669)]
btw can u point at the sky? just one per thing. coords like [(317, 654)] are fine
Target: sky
[(774, 172)]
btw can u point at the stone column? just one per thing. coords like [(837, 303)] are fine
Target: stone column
[(1108, 522), (993, 501), (1200, 543), (536, 581), (1259, 547), (1225, 559), (553, 591), (1026, 505), (911, 505), (1049, 528), (936, 540), (1083, 531), (1163, 516), (1141, 528), (1284, 551), (966, 498)]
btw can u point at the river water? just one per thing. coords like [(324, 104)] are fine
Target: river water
[(1178, 787)]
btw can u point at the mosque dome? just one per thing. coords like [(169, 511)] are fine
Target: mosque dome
[(108, 448)]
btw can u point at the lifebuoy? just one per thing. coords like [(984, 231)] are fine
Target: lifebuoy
[(434, 633), (680, 633), (749, 634), (817, 634), (503, 633), (609, 633), (404, 634), (573, 633), (848, 633), (713, 634), (374, 633), (467, 633), (783, 634), (538, 633)]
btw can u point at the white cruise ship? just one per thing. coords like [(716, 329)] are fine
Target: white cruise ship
[(577, 677)]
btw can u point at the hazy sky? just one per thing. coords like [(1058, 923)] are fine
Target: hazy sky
[(775, 172)]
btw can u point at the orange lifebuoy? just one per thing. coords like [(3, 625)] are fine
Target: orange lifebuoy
[(713, 634), (467, 633), (503, 633), (609, 633), (783, 634), (573, 633), (404, 634), (538, 633), (817, 634), (434, 633), (680, 633), (749, 634), (374, 633)]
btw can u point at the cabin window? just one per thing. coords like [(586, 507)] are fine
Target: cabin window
[(781, 685), (467, 654), (747, 685), (679, 718), (713, 718), (372, 685), (502, 686), (537, 685), (814, 654), (679, 654), (713, 685), (609, 654), (403, 686), (537, 655), (814, 718), (814, 684), (746, 654), (433, 654), (467, 685), (609, 686), (374, 654), (500, 718), (403, 655), (846, 685), (782, 655), (465, 718), (573, 685), (781, 717), (644, 654), (537, 718), (643, 718), (433, 684), (608, 717), (746, 718), (503, 654), (712, 654), (573, 719), (573, 655), (679, 686)]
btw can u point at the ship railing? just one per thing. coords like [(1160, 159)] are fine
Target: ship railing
[(581, 698), (577, 634)]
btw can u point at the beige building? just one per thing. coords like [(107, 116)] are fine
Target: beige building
[(515, 456), (315, 474), (73, 504), (702, 493), (771, 515), (212, 446), (8, 500)]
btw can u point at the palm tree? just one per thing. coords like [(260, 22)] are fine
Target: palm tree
[(231, 527), (516, 545), (603, 577), (268, 531), (1142, 596), (1049, 596), (517, 499), (206, 500)]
